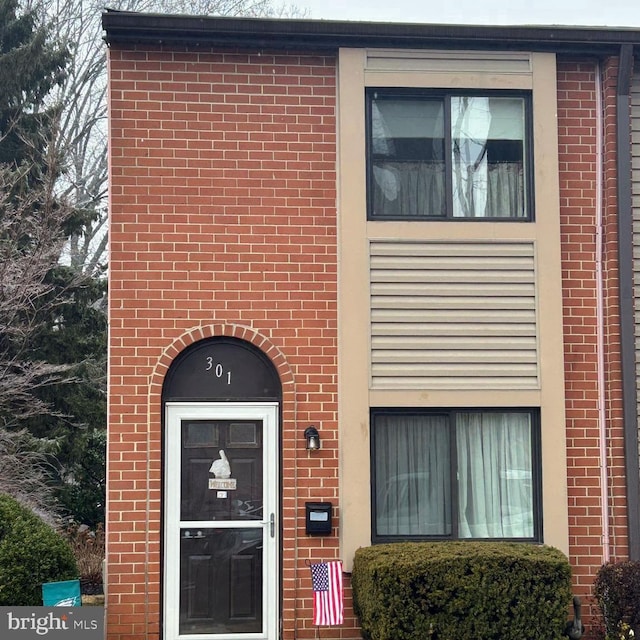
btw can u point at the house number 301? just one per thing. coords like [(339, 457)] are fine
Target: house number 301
[(217, 369)]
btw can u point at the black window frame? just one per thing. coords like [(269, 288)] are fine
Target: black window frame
[(536, 465), (445, 96)]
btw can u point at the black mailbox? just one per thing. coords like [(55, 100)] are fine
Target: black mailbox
[(318, 518)]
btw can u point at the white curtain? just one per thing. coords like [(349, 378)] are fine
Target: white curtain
[(413, 475), (495, 492), (482, 188), (488, 191), (409, 189), (417, 189), (494, 475)]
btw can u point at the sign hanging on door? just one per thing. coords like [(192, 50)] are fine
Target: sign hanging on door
[(221, 469), (222, 485)]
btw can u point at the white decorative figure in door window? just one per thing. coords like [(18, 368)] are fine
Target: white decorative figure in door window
[(221, 469)]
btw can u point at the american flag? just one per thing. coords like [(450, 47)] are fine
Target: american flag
[(328, 607)]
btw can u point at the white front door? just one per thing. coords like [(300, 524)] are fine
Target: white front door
[(221, 526)]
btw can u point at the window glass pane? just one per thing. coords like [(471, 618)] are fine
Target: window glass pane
[(487, 153), (412, 471), (495, 488), (407, 146), (200, 433), (220, 581), (221, 478)]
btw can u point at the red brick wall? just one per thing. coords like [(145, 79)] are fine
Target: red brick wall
[(613, 347), (577, 128), (223, 222)]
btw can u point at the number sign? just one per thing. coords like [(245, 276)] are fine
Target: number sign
[(221, 368)]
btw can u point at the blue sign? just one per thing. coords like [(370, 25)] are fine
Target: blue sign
[(61, 594)]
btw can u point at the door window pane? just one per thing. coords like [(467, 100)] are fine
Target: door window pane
[(200, 433), (221, 474), (243, 434), (220, 581)]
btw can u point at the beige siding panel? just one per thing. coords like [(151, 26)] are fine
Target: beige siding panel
[(448, 62), (448, 315), (430, 315), (462, 249), (452, 356), (441, 382), (462, 302), (462, 329), (451, 289), (513, 343)]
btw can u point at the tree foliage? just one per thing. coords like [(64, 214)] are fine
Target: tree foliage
[(31, 64), (53, 240), (52, 344), (33, 222), (31, 554), (75, 337), (34, 225), (31, 236), (82, 139), (23, 464)]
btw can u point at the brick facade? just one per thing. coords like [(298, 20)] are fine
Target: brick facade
[(579, 195), (223, 222)]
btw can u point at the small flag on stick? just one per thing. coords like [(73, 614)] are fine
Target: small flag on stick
[(328, 605)]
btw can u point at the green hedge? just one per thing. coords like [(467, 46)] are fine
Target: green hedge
[(31, 553), (461, 591)]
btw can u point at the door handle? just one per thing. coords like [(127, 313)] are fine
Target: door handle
[(272, 524)]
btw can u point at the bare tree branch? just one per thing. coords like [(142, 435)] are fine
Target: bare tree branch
[(33, 221), (83, 130), (23, 463)]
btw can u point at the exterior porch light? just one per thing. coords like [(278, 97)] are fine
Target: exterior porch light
[(313, 438)]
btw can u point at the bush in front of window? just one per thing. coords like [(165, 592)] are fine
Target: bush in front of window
[(617, 592), (461, 591)]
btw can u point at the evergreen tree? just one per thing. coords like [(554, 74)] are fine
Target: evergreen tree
[(52, 324), (31, 64), (32, 222), (75, 336)]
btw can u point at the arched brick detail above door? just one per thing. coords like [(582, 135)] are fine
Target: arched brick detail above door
[(216, 331)]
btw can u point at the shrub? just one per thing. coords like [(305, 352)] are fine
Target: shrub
[(88, 550), (461, 591), (617, 592), (31, 553)]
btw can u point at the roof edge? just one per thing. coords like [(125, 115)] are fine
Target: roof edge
[(123, 27)]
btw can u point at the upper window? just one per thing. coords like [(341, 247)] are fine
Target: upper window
[(455, 474), (445, 155)]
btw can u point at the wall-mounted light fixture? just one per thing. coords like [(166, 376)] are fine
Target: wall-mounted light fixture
[(313, 438)]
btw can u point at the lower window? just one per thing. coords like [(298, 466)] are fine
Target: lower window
[(455, 474)]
